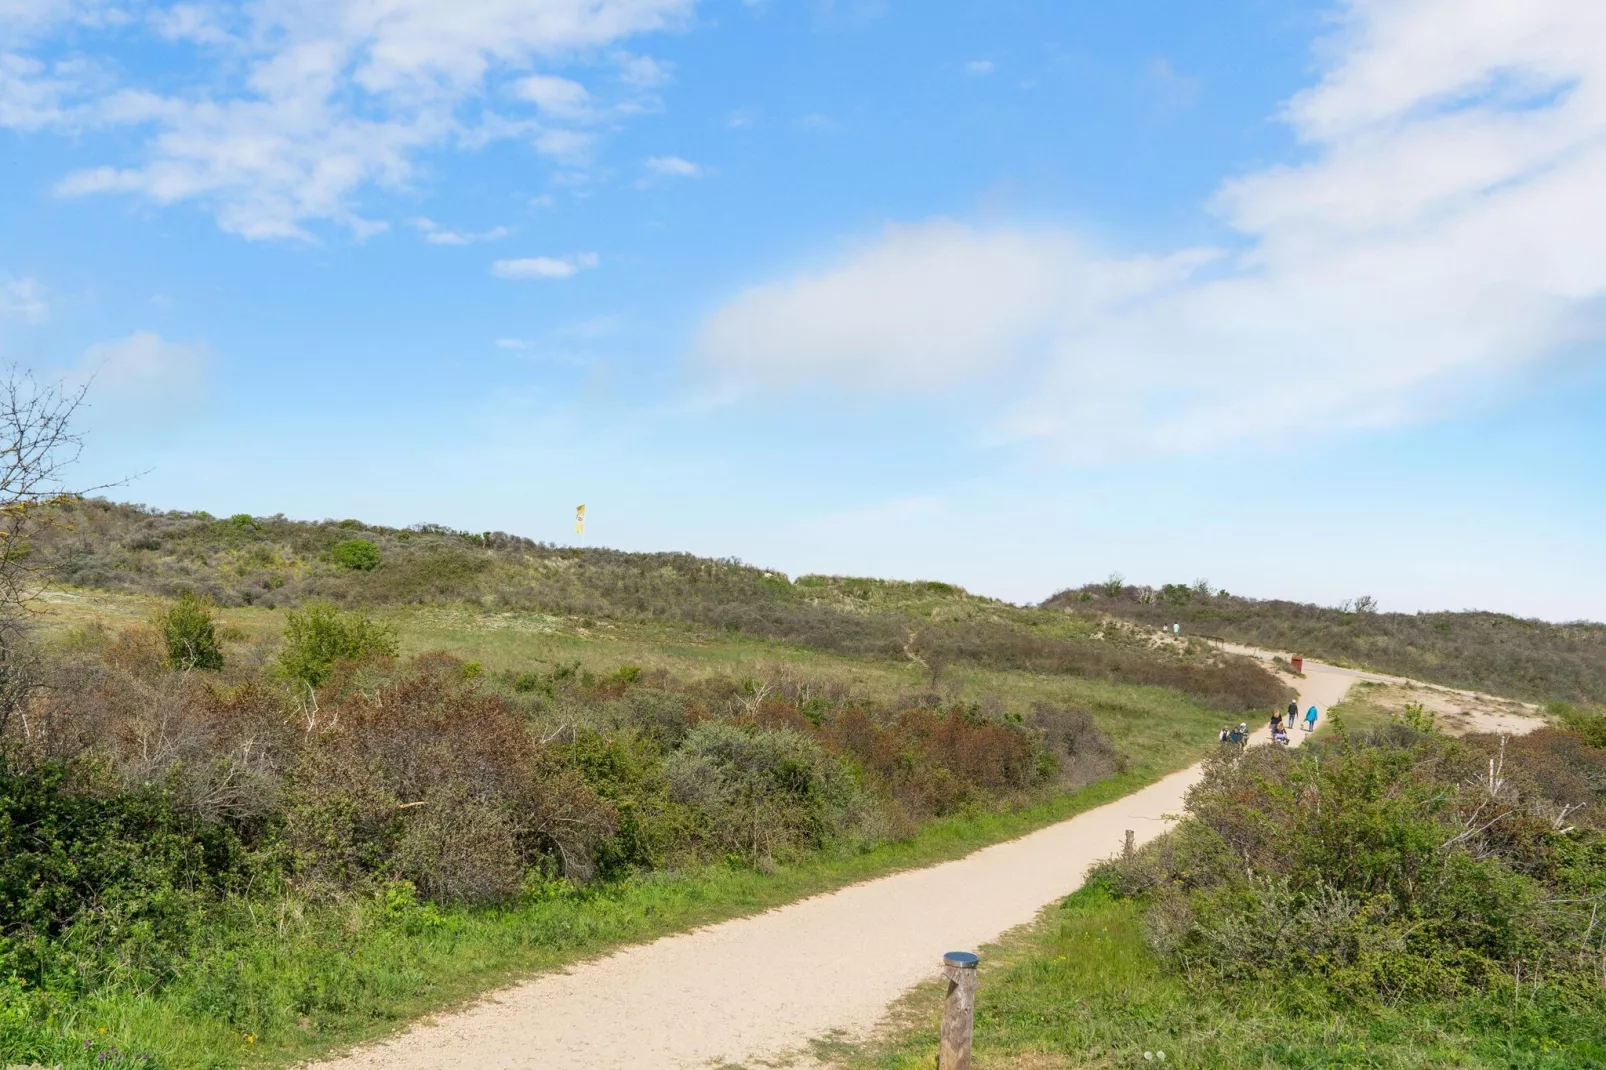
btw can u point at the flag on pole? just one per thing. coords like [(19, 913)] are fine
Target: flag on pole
[(580, 520)]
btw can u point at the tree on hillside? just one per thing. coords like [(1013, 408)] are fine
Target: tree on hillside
[(37, 445)]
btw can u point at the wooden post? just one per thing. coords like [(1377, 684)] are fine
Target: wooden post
[(959, 1011), (1131, 846)]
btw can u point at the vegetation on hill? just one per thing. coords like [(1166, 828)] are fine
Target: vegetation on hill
[(1492, 652), (1392, 898), (253, 561), (214, 842)]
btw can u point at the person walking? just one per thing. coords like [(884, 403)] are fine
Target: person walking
[(1293, 710), (1310, 719)]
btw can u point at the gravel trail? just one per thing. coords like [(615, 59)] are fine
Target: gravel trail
[(755, 990)]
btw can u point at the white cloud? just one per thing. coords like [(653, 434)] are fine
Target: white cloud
[(141, 368), (1443, 231), (512, 343), (572, 147), (979, 66), (923, 308), (191, 22), (643, 72), (434, 235), (544, 267), (303, 106), (673, 167), (558, 97), (23, 299)]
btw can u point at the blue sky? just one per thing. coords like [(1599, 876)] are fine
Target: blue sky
[(1302, 298)]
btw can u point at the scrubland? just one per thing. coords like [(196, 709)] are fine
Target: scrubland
[(269, 786), (1388, 897)]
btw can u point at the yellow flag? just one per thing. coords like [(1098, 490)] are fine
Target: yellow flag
[(580, 520)]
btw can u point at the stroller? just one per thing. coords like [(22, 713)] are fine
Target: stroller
[(1279, 731)]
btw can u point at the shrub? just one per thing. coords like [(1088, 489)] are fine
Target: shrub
[(358, 555), (767, 794), (320, 635), (1397, 865), (440, 784), (95, 883), (1588, 724), (189, 628)]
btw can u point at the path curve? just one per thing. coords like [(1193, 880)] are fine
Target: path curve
[(756, 989)]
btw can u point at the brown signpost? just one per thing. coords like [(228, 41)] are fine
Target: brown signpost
[(959, 1011)]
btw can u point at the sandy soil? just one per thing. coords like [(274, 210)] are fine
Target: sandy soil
[(754, 991)]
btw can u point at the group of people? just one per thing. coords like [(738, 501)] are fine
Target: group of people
[(1280, 726)]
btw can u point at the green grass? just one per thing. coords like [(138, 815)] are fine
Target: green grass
[(275, 986), (1080, 989)]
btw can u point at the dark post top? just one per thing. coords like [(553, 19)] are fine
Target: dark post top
[(963, 960)]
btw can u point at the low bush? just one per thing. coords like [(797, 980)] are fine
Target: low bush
[(767, 794), (189, 628), (1391, 866), (320, 635), (358, 555)]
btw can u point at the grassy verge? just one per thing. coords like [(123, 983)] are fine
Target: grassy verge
[(1080, 988), (280, 983)]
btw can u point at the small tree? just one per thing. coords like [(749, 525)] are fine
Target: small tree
[(189, 628), (359, 555), (37, 445), (320, 634)]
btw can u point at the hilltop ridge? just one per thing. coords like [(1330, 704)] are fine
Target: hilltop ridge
[(1099, 630)]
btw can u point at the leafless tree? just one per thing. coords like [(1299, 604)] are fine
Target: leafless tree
[(37, 446)]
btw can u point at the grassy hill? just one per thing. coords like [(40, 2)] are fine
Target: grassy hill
[(272, 562), (1494, 652), (267, 786)]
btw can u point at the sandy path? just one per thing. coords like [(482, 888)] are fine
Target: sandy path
[(754, 989)]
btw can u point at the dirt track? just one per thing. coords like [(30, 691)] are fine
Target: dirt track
[(756, 989)]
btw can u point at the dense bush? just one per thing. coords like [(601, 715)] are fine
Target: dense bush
[(1394, 866), (766, 794), (189, 628), (97, 882), (320, 635), (358, 555)]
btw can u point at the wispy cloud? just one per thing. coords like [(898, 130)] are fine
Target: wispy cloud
[(23, 299), (1442, 231), (979, 66), (544, 267), (292, 116), (143, 374), (435, 235), (673, 167), (1173, 91)]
